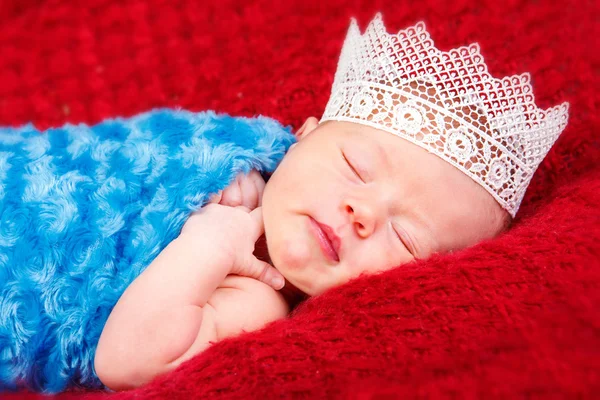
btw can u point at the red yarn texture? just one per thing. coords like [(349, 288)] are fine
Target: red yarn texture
[(511, 317)]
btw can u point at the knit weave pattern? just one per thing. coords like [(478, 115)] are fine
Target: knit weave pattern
[(512, 317)]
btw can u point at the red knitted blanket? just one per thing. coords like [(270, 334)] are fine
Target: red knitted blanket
[(511, 317)]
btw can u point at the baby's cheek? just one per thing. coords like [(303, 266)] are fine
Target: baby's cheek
[(375, 259), (293, 255)]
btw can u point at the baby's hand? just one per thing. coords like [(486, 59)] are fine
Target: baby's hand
[(234, 231), (246, 190)]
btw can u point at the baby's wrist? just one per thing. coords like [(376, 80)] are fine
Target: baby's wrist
[(206, 250)]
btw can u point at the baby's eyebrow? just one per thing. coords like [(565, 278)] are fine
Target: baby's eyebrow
[(382, 154)]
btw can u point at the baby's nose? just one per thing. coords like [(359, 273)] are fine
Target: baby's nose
[(362, 218)]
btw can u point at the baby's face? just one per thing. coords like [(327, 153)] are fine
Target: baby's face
[(387, 200)]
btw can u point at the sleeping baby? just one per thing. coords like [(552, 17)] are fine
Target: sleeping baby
[(418, 152), (407, 161)]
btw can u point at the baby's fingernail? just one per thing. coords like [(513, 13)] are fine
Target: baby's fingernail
[(277, 282)]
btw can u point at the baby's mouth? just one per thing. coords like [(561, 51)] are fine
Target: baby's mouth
[(328, 241)]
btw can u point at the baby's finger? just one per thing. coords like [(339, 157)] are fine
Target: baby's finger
[(259, 183), (216, 198), (265, 273), (244, 209), (249, 192), (232, 195), (259, 224)]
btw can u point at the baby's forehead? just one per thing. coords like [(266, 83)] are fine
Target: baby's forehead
[(404, 163), (422, 122), (401, 106)]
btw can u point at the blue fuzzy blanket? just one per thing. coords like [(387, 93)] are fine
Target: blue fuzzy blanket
[(85, 209)]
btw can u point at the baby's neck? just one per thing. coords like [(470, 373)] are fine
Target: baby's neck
[(293, 296), (291, 293)]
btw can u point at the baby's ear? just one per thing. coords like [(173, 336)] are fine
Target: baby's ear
[(309, 125)]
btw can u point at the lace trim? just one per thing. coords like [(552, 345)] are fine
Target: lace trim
[(446, 103)]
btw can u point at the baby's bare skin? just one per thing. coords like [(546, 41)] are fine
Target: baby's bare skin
[(178, 305), (389, 202)]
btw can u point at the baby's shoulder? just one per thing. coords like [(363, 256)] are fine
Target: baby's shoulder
[(245, 304)]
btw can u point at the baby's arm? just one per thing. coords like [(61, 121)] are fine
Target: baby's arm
[(160, 315), (164, 317)]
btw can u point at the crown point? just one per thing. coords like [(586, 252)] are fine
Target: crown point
[(452, 91), (474, 48), (420, 26)]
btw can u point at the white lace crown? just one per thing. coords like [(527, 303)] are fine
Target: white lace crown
[(446, 103)]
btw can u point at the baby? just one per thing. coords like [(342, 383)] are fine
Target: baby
[(418, 152)]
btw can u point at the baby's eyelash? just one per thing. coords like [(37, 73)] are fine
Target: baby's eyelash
[(352, 167), (402, 241)]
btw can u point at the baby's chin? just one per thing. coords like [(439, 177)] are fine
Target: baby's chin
[(291, 292)]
